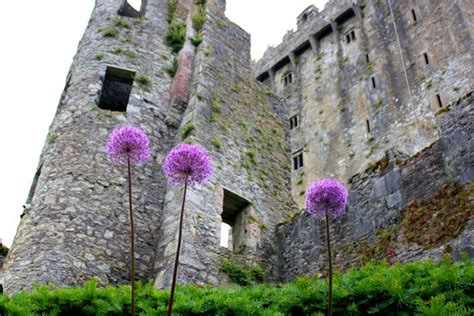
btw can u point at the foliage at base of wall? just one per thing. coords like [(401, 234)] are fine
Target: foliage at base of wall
[(241, 274), (421, 288)]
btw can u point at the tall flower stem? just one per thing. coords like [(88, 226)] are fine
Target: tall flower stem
[(132, 237), (330, 266), (176, 262)]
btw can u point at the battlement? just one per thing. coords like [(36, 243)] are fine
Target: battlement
[(312, 26)]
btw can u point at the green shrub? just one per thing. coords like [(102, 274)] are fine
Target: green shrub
[(240, 274), (172, 69), (110, 31), (188, 128), (420, 288), (216, 142), (196, 41), (99, 56), (121, 22), (144, 82), (51, 138), (199, 19), (176, 35)]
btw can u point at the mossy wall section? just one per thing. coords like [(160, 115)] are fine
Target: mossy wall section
[(243, 126), (400, 209)]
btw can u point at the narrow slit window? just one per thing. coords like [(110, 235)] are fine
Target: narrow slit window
[(348, 38), (374, 85), (367, 58), (233, 222), (367, 123), (353, 36), (413, 15), (425, 57), (287, 78), (116, 89), (438, 99), (298, 160), (293, 121)]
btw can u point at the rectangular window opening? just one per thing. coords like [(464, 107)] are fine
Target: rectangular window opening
[(233, 222), (298, 160), (293, 121), (353, 36), (438, 98), (367, 58), (368, 125), (348, 38), (373, 82), (116, 89), (287, 79), (425, 56), (413, 14)]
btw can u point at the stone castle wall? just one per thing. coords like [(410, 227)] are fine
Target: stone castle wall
[(349, 84), (376, 226), (78, 226), (242, 125)]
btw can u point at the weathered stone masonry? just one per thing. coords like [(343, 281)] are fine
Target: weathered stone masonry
[(378, 93)]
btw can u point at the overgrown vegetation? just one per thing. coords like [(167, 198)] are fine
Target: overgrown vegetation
[(199, 18), (421, 288), (188, 128), (172, 69), (121, 22), (51, 138), (240, 274), (171, 9), (176, 35), (3, 250), (441, 218), (110, 31), (144, 82)]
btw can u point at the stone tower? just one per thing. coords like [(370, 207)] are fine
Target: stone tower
[(76, 226), (376, 93)]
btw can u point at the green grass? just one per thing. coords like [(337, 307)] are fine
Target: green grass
[(420, 288), (176, 35)]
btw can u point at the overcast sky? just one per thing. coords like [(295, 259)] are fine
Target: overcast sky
[(38, 41)]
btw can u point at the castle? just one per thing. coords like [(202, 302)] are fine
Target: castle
[(375, 93)]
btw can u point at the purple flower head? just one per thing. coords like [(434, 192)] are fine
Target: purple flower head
[(326, 196), (188, 161), (128, 142)]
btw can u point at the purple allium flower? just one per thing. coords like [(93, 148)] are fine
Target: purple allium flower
[(326, 195), (188, 160), (128, 142)]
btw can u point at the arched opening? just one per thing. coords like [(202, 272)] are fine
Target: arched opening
[(133, 8)]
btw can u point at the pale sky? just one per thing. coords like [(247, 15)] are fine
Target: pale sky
[(39, 39)]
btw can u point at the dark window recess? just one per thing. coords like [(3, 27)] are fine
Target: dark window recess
[(287, 79), (425, 56), (305, 17), (298, 160), (413, 14), (132, 9), (116, 89), (293, 121), (367, 58), (374, 85), (350, 37), (368, 125), (233, 214), (438, 99)]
